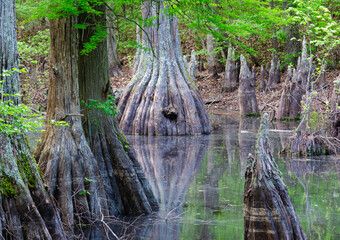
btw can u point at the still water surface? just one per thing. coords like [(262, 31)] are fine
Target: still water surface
[(199, 183)]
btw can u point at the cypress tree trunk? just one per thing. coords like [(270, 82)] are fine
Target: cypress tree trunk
[(85, 166), (108, 144), (115, 66), (161, 99), (26, 209)]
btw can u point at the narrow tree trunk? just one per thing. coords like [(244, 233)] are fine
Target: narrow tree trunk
[(161, 99), (263, 82), (115, 66), (268, 211), (26, 209), (246, 92), (231, 75)]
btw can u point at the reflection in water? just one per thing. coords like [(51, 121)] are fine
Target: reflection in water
[(247, 139), (203, 198), (170, 164)]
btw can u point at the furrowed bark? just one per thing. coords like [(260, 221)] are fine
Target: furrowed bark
[(124, 180), (115, 66), (161, 99), (26, 209), (268, 210)]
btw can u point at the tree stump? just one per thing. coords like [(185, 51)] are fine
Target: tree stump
[(291, 97), (161, 80), (231, 76), (246, 92), (274, 75), (268, 210)]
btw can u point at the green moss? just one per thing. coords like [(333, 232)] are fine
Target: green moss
[(122, 139), (254, 114), (26, 170), (7, 186)]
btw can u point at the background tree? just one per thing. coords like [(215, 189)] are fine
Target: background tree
[(27, 211), (161, 99)]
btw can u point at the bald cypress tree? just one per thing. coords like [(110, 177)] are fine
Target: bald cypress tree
[(161, 98)]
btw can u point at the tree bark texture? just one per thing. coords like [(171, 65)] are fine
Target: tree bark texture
[(85, 165), (26, 209), (246, 92), (161, 99), (274, 76), (231, 75), (115, 66), (106, 141), (291, 97), (268, 210)]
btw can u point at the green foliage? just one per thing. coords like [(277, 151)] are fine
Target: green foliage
[(108, 107), (35, 47), (16, 118)]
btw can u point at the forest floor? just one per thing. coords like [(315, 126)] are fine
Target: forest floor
[(217, 101)]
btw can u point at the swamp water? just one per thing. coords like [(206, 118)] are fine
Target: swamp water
[(199, 183)]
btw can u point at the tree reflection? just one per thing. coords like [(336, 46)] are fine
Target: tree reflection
[(170, 164)]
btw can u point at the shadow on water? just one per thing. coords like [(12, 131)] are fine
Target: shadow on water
[(199, 183)]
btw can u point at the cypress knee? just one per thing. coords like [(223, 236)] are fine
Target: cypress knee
[(246, 92), (268, 210), (230, 80)]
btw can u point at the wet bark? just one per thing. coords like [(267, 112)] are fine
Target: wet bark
[(291, 97), (26, 209), (246, 92), (268, 210), (115, 66), (86, 166), (161, 81), (231, 75)]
